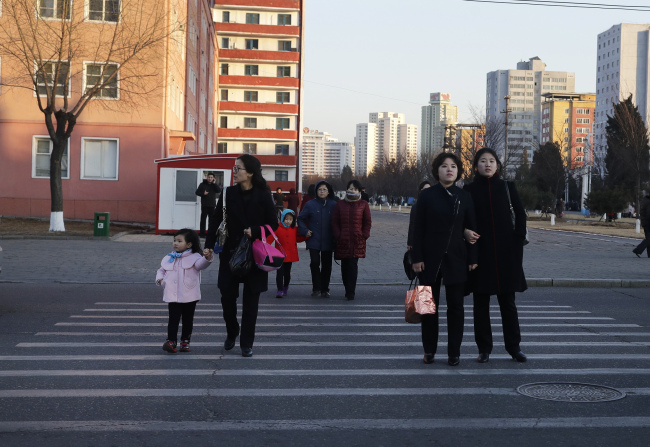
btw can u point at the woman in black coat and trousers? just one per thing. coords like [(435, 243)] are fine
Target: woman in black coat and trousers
[(440, 253), (249, 206), (500, 254)]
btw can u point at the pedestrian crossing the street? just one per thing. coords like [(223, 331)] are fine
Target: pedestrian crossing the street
[(318, 365)]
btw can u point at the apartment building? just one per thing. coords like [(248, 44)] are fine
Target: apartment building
[(260, 83), (324, 155), (435, 117)]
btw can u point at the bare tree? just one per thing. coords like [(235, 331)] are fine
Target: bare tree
[(44, 50)]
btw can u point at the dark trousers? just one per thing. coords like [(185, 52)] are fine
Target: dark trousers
[(349, 273), (321, 269), (454, 295), (644, 244), (283, 275), (176, 311), (250, 304), (206, 212), (509, 319)]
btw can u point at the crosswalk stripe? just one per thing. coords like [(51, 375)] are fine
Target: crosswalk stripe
[(426, 425), (413, 333), (313, 317), (318, 324), (347, 311), (325, 305)]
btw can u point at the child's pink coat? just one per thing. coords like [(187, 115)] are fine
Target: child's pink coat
[(182, 278)]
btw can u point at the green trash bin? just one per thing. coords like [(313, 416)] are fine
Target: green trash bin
[(102, 224)]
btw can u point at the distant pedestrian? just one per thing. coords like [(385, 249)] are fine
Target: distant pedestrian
[(645, 223), (180, 275), (293, 200), (351, 223), (409, 239), (315, 223), (364, 194), (278, 198), (440, 254), (288, 236), (311, 195), (500, 269), (208, 190)]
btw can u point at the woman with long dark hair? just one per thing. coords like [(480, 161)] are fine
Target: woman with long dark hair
[(440, 254), (500, 269), (249, 206)]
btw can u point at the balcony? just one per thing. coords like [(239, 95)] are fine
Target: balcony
[(259, 107), (259, 56), (261, 30), (266, 4), (258, 81), (258, 134)]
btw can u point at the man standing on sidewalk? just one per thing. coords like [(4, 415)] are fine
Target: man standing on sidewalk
[(645, 223), (208, 191)]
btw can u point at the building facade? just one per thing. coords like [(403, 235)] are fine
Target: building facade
[(568, 120), (139, 115), (435, 117), (260, 82), (366, 152), (623, 70), (323, 155), (524, 88)]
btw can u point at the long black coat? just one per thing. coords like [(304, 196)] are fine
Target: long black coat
[(253, 208), (434, 219), (500, 246)]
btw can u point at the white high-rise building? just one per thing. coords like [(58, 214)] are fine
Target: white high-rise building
[(623, 69), (438, 114), (407, 141), (323, 155), (365, 143), (525, 87)]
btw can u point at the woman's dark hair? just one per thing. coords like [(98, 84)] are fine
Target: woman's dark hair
[(330, 190), (253, 166), (440, 159), (487, 150), (423, 184), (191, 237), (311, 190), (355, 183)]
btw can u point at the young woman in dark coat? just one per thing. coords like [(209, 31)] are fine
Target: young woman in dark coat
[(351, 224), (500, 269), (249, 206), (440, 253)]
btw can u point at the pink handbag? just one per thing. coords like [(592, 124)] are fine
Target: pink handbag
[(419, 301), (266, 256)]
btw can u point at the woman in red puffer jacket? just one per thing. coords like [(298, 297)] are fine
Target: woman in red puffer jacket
[(288, 237), (351, 224)]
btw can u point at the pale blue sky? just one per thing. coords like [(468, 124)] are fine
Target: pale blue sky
[(405, 49)]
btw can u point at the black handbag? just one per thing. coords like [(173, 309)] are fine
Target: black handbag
[(241, 261)]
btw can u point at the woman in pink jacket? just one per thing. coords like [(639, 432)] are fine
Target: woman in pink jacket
[(180, 275)]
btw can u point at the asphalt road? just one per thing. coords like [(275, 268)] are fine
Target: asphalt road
[(82, 365)]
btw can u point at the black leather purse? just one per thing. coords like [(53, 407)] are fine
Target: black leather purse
[(241, 261)]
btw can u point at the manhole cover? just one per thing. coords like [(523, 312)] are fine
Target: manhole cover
[(570, 392)]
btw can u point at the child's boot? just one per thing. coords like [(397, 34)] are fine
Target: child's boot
[(280, 294), (185, 345), (285, 291), (169, 346)]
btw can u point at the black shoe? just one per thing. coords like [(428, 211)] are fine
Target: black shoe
[(428, 358), (349, 297), (229, 343), (519, 356), (638, 255), (453, 361), (247, 352), (325, 294), (483, 357), (315, 293)]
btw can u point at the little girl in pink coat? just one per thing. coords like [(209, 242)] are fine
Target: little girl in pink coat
[(180, 275)]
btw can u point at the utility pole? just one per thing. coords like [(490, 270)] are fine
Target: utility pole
[(505, 139)]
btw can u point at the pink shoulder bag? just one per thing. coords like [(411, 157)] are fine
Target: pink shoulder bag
[(266, 256)]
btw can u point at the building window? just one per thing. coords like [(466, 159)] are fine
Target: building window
[(223, 122), (222, 148), (250, 148), (281, 123), (225, 42), (282, 97), (250, 96), (102, 74), (284, 45), (99, 159), (104, 10), (250, 123), (284, 19), (281, 176), (251, 70), (284, 72), (46, 75), (252, 18), (54, 9), (281, 149), (224, 69), (252, 44), (41, 151), (225, 17), (224, 95)]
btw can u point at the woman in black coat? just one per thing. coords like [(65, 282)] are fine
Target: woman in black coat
[(440, 253), (500, 253), (249, 206)]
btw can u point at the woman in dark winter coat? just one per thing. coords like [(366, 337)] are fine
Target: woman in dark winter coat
[(441, 255), (351, 224), (315, 223), (249, 206), (500, 269)]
